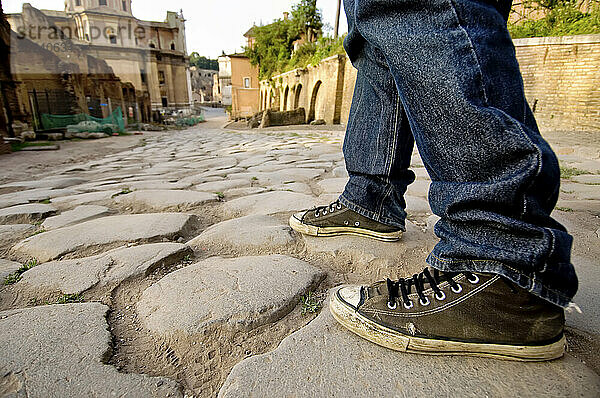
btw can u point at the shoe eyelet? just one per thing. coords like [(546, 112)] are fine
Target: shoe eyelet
[(324, 212), (457, 290), (441, 297), (408, 307), (317, 214), (424, 303), (475, 280), (346, 223), (357, 224), (394, 307), (339, 206)]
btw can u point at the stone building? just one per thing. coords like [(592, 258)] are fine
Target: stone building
[(57, 77), (238, 85), (202, 84), (560, 76), (151, 56)]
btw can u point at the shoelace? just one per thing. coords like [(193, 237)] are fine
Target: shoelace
[(327, 209), (403, 286)]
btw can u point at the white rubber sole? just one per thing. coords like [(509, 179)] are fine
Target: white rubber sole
[(312, 230), (394, 340)]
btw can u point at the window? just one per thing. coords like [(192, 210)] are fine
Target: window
[(102, 2), (246, 82), (113, 39), (143, 74), (152, 45), (161, 77), (124, 5), (165, 102), (173, 46), (77, 2)]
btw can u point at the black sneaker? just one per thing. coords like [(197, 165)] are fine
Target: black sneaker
[(453, 314), (336, 219)]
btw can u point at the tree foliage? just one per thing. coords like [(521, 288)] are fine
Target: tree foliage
[(202, 62), (274, 43), (560, 18)]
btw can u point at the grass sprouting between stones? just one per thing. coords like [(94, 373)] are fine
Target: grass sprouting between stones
[(569, 172), (18, 274), (220, 195), (69, 298), (565, 209), (311, 303), (41, 231), (124, 191)]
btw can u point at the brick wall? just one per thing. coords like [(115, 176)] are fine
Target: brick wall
[(562, 80)]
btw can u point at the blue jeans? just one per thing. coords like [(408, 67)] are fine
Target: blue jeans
[(443, 74)]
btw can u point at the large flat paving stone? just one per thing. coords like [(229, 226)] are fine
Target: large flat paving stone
[(51, 183), (333, 185), (12, 233), (7, 267), (70, 201), (269, 203), (104, 231), (222, 186), (325, 360), (107, 269), (23, 214), (370, 258), (239, 294), (246, 234), (61, 351), (33, 195), (166, 199), (75, 216)]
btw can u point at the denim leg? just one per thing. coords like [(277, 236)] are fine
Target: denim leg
[(378, 144), (495, 181)]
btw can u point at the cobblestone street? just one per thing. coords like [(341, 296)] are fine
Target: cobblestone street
[(169, 269)]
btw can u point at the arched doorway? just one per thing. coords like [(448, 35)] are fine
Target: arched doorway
[(286, 93), (297, 96), (313, 102)]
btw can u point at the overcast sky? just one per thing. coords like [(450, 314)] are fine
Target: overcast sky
[(212, 25)]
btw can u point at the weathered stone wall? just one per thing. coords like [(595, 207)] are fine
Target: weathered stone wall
[(561, 78)]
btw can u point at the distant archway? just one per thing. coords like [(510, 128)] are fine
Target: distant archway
[(313, 102), (286, 93), (297, 96)]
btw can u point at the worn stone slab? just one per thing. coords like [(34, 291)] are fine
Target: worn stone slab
[(23, 214), (51, 183), (71, 201), (107, 269), (588, 273), (75, 216), (32, 195), (166, 199), (371, 258), (7, 267), (419, 188), (333, 185), (12, 233), (340, 171), (591, 179), (416, 205), (61, 351), (282, 176), (239, 293), (581, 191), (324, 359), (222, 186), (269, 203), (104, 231), (246, 234)]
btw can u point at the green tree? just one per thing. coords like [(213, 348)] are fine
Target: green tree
[(560, 18), (274, 42), (308, 19), (202, 62)]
